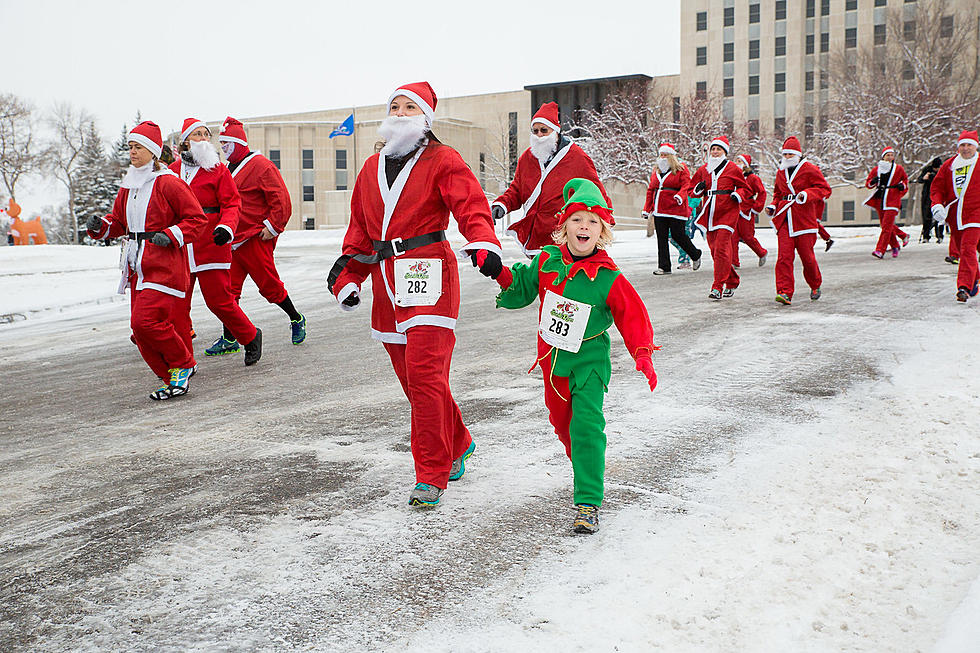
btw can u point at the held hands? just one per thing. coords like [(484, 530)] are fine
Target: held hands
[(161, 239), (94, 223), (645, 364), (221, 236), (497, 212), (488, 262)]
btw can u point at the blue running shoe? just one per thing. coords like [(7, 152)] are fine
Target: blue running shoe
[(459, 465), (223, 346), (299, 329), (586, 518), (976, 288), (179, 378), (425, 495)]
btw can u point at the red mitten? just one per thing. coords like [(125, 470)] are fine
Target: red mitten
[(505, 278), (645, 364)]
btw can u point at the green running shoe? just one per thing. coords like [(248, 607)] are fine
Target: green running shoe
[(299, 329), (425, 495), (223, 346), (459, 465)]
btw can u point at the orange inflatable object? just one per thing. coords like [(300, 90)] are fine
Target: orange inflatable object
[(28, 232)]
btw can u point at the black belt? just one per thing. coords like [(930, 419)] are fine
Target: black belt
[(384, 249), (211, 209), (721, 192), (791, 197), (676, 190), (142, 235)]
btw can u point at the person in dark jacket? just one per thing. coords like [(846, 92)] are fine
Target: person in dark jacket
[(926, 175)]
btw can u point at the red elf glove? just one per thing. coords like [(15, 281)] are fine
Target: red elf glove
[(644, 363)]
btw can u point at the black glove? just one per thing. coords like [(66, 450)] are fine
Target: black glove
[(94, 223), (489, 263), (497, 212), (699, 188), (161, 239), (221, 236), (874, 182), (352, 300)]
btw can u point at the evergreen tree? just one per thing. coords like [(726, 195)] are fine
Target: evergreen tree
[(120, 151), (96, 181)]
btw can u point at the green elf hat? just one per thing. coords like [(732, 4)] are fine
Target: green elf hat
[(583, 195)]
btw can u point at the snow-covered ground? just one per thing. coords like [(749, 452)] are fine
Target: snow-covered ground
[(804, 479)]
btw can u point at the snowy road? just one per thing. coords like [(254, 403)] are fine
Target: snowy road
[(804, 478)]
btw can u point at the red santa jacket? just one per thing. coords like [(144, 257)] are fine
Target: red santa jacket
[(894, 191), (218, 195), (433, 183), (538, 189), (164, 203), (799, 218), (667, 193), (757, 201), (265, 200), (965, 207), (721, 187)]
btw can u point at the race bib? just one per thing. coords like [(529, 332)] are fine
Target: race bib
[(563, 321), (418, 281)]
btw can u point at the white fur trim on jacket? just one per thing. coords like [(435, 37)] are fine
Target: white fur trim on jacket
[(345, 292), (226, 228), (176, 235), (268, 225), (465, 250), (390, 338), (427, 320)]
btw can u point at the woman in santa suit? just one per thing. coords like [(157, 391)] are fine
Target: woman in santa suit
[(209, 257), (890, 183), (723, 187), (397, 235), (159, 214), (745, 229), (666, 203)]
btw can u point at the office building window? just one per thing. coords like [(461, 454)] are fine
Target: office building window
[(908, 30), (824, 79), (275, 158), (729, 52), (780, 82), (701, 90), (754, 49), (677, 109), (880, 34), (848, 210), (881, 3), (946, 27), (850, 5), (307, 159), (754, 16), (341, 160), (811, 8), (824, 42), (824, 7), (850, 37), (809, 43), (753, 84), (309, 224), (702, 20), (907, 71), (808, 127), (307, 193), (780, 9), (729, 16), (808, 80), (702, 56), (728, 84), (779, 125), (753, 128), (780, 48)]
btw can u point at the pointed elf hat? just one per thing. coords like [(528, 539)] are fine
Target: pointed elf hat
[(583, 195)]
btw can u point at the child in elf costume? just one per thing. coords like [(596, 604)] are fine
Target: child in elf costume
[(582, 293)]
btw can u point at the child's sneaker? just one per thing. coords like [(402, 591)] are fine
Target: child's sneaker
[(727, 292), (878, 254), (299, 329), (814, 294), (783, 298), (587, 518), (714, 294), (223, 346), (459, 465), (424, 495)]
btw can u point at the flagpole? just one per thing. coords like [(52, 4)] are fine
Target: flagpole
[(353, 112)]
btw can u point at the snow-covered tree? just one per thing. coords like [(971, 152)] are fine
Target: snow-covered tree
[(70, 127), (20, 151), (95, 180)]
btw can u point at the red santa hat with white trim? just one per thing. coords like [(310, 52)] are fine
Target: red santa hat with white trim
[(667, 148), (792, 146), (232, 131), (190, 124), (148, 135), (968, 137), (422, 94), (887, 150), (722, 142), (547, 115), (746, 159)]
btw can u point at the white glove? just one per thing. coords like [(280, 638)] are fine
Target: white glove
[(939, 213), (645, 215), (677, 198), (801, 197)]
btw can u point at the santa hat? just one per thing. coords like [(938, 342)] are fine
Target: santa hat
[(968, 137), (667, 148), (746, 159), (420, 93), (547, 115), (233, 131), (148, 135), (583, 195), (792, 146), (190, 124), (722, 142), (887, 150)]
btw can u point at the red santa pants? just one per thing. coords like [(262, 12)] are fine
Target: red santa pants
[(968, 270), (954, 237), (151, 318), (745, 233), (720, 244), (788, 248), (891, 235), (254, 258), (824, 234), (438, 433), (216, 288)]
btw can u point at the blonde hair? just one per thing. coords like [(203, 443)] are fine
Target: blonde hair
[(560, 235), (675, 163)]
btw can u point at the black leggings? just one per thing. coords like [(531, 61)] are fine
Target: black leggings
[(674, 228)]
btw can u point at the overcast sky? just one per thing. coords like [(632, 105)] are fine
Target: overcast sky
[(210, 59)]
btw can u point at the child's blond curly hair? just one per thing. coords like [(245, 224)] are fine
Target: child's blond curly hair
[(560, 235)]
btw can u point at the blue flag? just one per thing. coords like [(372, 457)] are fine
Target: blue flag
[(346, 128)]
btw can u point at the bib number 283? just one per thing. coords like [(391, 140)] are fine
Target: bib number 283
[(563, 321)]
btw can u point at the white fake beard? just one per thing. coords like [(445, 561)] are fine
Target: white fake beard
[(663, 164), (204, 154), (791, 162), (228, 148), (959, 161), (714, 162), (402, 134), (136, 177), (884, 167), (544, 147)]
